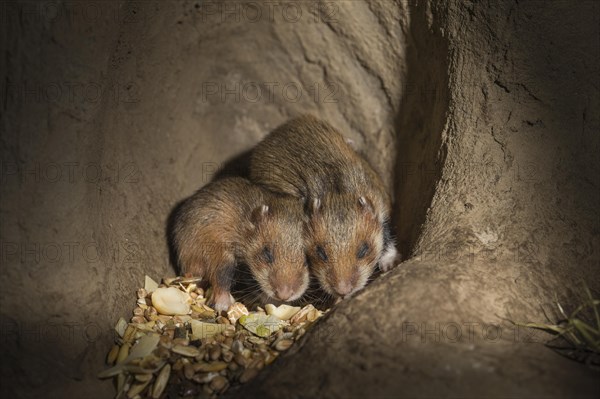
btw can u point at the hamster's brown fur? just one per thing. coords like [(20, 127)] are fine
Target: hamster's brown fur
[(349, 208), (233, 221)]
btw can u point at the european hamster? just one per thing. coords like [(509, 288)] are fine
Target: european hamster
[(232, 221), (348, 232)]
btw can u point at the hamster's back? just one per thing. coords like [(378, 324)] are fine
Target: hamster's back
[(215, 214), (304, 158)]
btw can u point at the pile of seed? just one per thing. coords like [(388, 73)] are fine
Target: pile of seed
[(177, 346)]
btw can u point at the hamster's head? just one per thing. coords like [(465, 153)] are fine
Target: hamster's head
[(344, 240), (275, 253)]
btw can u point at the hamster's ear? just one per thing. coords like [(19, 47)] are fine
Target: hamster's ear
[(260, 214), (314, 206), (366, 205)]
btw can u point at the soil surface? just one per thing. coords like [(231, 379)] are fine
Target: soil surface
[(481, 117)]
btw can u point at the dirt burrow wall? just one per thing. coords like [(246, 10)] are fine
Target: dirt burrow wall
[(154, 97), (480, 118), (500, 130)]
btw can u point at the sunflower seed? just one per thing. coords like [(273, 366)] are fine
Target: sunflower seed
[(123, 352), (136, 389), (190, 351), (208, 367), (161, 381), (112, 355)]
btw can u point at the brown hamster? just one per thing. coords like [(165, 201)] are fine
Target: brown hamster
[(233, 221), (348, 232)]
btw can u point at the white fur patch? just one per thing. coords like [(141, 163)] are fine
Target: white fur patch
[(388, 258)]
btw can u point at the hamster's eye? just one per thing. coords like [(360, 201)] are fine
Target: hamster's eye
[(362, 251), (268, 255), (322, 254)]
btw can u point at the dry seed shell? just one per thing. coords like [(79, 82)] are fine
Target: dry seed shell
[(299, 333), (139, 320), (189, 280), (149, 284), (165, 319), (269, 358), (283, 344), (204, 312), (112, 355), (142, 293), (161, 381), (256, 340), (257, 364), (171, 301), (143, 303), (151, 313), (166, 341), (236, 311), (162, 353), (151, 363), (123, 352), (144, 346), (203, 378), (228, 356), (215, 353), (191, 288), (136, 389), (247, 375), (121, 382), (129, 334), (138, 311), (233, 366), (247, 353), (180, 341), (237, 346), (228, 341), (241, 360), (181, 319), (188, 371), (302, 314), (208, 367), (283, 312), (143, 329), (120, 327), (218, 384), (178, 364), (190, 351), (143, 377), (260, 324), (313, 315)]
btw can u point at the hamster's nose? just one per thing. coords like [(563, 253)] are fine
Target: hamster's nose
[(343, 288), (284, 293)]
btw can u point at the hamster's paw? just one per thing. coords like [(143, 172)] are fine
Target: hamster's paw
[(388, 259), (222, 301)]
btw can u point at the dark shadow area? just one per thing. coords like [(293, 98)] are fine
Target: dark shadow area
[(420, 151), (237, 166)]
